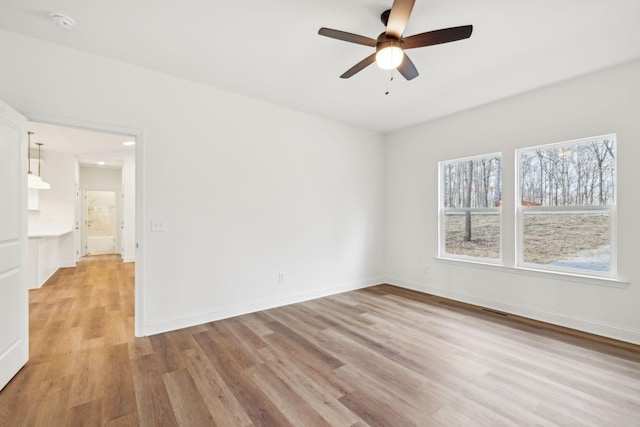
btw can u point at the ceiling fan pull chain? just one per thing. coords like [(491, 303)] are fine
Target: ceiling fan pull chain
[(389, 80)]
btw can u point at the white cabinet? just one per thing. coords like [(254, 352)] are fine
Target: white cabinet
[(44, 255)]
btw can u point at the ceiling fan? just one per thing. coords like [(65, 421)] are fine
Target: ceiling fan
[(390, 45)]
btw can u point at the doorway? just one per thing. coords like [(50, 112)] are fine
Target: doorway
[(100, 223), (115, 223)]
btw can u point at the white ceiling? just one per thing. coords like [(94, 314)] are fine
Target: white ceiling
[(270, 50), (89, 147)]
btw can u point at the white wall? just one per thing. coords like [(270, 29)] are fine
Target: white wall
[(602, 103), (100, 179), (58, 204), (247, 189)]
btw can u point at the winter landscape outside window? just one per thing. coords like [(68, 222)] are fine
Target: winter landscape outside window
[(567, 207), (470, 208)]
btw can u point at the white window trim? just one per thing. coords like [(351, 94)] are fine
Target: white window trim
[(442, 211), (609, 276), (533, 272)]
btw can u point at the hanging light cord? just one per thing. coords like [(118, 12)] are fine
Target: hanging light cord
[(39, 144), (29, 152)]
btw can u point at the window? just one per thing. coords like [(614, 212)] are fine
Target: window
[(566, 214), (470, 200)]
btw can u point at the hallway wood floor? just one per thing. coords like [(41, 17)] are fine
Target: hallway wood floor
[(381, 356)]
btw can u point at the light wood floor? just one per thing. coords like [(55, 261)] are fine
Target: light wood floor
[(381, 356)]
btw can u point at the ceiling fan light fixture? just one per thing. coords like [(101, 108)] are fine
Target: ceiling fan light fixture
[(389, 55)]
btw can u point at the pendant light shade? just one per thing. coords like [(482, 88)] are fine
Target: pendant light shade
[(389, 56), (36, 182)]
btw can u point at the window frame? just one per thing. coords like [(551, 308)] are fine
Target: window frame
[(611, 209), (442, 212)]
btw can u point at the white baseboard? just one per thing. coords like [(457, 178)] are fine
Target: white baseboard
[(586, 325), (45, 280), (129, 259), (165, 325)]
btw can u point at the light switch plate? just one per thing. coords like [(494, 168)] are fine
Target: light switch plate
[(159, 225)]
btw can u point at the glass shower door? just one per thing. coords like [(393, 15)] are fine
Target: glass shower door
[(101, 222)]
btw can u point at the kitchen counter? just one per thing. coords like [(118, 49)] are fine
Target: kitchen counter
[(55, 231)]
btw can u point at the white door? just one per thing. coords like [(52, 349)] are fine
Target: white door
[(14, 296)]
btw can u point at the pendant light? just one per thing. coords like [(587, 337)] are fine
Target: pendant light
[(34, 181)]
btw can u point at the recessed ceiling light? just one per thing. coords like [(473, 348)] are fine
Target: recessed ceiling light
[(101, 163), (62, 20), (129, 143)]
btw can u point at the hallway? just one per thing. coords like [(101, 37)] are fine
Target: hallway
[(81, 332)]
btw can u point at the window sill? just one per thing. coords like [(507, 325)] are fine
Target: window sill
[(589, 280)]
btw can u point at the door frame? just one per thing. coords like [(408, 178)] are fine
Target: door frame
[(117, 219), (140, 213)]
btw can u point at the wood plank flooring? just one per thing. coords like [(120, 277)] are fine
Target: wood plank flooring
[(382, 356)]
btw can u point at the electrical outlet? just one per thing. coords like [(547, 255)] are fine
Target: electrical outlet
[(281, 277), (158, 225), (426, 268)]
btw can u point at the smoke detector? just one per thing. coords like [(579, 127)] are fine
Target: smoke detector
[(63, 20)]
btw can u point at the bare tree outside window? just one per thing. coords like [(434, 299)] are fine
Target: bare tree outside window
[(467, 204), (567, 192), (572, 175), (566, 207), (470, 207)]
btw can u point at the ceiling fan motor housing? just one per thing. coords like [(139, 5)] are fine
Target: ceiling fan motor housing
[(385, 41), (384, 17)]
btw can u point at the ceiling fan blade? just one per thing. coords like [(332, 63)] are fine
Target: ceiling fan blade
[(398, 18), (359, 66), (347, 37), (407, 68), (445, 35)]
